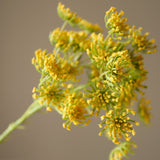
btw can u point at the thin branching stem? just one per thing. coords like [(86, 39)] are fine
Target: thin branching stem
[(33, 108)]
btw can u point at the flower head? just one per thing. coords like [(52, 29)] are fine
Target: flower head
[(116, 23), (49, 94), (59, 68), (121, 150), (39, 59), (144, 110), (74, 109), (74, 20), (117, 124), (140, 42), (69, 41)]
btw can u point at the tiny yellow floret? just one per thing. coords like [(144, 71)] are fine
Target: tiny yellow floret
[(49, 109)]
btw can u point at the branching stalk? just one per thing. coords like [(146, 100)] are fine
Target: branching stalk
[(33, 108)]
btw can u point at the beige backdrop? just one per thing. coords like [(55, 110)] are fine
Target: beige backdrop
[(24, 27)]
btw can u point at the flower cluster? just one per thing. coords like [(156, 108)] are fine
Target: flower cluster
[(59, 68), (144, 110), (100, 49), (140, 41), (75, 20), (39, 60), (122, 150), (69, 41), (49, 94), (116, 23), (115, 69), (118, 124), (118, 67), (102, 97), (55, 70), (114, 65), (74, 109)]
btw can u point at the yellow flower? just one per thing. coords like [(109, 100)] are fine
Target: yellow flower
[(121, 150), (116, 75), (49, 109), (144, 110), (116, 23), (101, 50), (140, 42), (50, 94), (59, 68), (117, 123), (99, 99), (39, 59), (75, 109), (69, 41), (94, 72), (75, 20)]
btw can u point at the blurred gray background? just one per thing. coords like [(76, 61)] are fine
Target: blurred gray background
[(24, 27)]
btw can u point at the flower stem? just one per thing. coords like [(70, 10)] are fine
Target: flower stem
[(64, 25), (33, 108)]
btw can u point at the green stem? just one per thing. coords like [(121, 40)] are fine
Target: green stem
[(109, 34), (80, 87), (33, 108), (64, 25)]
